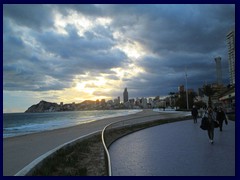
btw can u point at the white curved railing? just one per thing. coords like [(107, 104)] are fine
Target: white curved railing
[(107, 153), (115, 126), (107, 143)]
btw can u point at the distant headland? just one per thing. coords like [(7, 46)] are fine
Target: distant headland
[(44, 106)]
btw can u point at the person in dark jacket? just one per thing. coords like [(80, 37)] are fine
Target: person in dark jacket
[(221, 117), (209, 115), (194, 114)]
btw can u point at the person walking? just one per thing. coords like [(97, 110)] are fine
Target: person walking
[(194, 114), (210, 129), (221, 117)]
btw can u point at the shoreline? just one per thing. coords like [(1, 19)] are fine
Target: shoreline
[(86, 121), (63, 128), (19, 151)]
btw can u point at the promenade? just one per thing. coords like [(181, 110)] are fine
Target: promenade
[(175, 149), (19, 151)]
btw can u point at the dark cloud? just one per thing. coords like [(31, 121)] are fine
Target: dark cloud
[(195, 31), (59, 57), (72, 45), (175, 37), (86, 9), (34, 16)]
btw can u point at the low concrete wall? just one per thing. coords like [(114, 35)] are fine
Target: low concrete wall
[(29, 169)]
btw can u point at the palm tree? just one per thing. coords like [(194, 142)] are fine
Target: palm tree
[(208, 91)]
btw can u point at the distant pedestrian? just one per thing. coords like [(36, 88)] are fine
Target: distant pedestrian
[(204, 107), (221, 117), (194, 114), (209, 115), (215, 112), (215, 109)]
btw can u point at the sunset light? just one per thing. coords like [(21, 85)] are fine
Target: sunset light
[(78, 77), (76, 52)]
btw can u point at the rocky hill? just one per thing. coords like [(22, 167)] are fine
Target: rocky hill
[(43, 106)]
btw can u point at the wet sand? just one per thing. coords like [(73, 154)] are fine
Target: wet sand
[(19, 151)]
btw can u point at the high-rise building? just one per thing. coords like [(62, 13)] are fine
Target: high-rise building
[(218, 70), (125, 95), (231, 55), (117, 100)]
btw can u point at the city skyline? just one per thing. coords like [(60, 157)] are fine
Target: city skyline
[(71, 53)]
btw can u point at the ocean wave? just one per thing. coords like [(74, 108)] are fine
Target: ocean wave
[(31, 123)]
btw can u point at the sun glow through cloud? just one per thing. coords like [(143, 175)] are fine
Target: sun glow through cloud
[(75, 52), (81, 22), (134, 50), (89, 86)]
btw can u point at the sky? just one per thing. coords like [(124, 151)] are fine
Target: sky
[(71, 53)]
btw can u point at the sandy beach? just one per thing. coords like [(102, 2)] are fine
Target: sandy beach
[(19, 151)]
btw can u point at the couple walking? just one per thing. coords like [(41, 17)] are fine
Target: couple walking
[(214, 120)]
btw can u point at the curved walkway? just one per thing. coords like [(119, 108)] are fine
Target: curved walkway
[(175, 149), (20, 151)]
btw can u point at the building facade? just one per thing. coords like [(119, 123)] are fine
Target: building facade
[(231, 55), (218, 70), (125, 95)]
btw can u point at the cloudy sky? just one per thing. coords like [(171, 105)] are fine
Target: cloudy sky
[(70, 53)]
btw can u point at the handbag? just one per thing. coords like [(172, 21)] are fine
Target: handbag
[(216, 124), (204, 123)]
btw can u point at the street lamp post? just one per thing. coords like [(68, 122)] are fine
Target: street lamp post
[(186, 90)]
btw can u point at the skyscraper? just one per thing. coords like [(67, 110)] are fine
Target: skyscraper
[(218, 70), (231, 55), (125, 95)]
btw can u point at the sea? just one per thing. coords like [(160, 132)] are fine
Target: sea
[(15, 124)]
